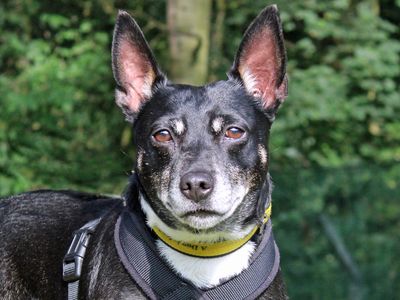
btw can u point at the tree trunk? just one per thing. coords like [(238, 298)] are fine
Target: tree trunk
[(189, 38), (217, 58)]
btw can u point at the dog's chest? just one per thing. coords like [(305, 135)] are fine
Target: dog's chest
[(207, 272)]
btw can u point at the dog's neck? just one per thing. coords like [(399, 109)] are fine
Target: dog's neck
[(202, 272)]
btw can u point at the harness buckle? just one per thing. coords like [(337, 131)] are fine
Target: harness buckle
[(72, 263), (73, 260)]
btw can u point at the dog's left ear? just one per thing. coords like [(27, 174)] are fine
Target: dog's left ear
[(260, 62), (135, 69)]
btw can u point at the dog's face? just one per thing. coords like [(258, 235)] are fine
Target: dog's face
[(202, 151)]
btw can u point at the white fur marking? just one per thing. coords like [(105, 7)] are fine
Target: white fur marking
[(179, 127), (262, 153), (217, 124)]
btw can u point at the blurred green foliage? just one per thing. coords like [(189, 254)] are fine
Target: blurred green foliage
[(335, 146)]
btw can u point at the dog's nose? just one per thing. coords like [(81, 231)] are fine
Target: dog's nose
[(196, 185)]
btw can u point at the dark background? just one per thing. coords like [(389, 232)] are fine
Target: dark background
[(335, 146)]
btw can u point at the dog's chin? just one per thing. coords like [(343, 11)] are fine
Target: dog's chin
[(201, 219)]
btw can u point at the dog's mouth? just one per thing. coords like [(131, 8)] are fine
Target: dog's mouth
[(201, 218), (201, 213)]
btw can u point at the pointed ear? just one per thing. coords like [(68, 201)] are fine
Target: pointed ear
[(135, 70), (260, 62)]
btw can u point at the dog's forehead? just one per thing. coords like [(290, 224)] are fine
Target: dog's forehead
[(226, 91), (211, 103)]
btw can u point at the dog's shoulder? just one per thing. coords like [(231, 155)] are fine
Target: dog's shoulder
[(46, 211), (36, 229)]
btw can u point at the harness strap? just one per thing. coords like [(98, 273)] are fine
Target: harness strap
[(138, 253), (73, 260)]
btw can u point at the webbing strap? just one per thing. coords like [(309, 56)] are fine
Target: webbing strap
[(138, 253), (73, 288)]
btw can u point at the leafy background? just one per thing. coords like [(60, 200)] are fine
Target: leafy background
[(335, 145)]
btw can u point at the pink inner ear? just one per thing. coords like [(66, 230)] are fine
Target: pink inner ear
[(136, 75), (260, 61)]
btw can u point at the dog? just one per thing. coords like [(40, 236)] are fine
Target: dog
[(200, 194)]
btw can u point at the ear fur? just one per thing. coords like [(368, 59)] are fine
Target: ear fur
[(260, 62), (134, 67)]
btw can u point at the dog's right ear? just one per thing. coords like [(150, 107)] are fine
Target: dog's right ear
[(134, 67)]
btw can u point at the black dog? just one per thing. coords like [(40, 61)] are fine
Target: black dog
[(201, 184)]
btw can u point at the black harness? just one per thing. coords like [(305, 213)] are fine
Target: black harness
[(137, 251)]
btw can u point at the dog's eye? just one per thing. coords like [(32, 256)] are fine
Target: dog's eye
[(234, 133), (162, 136)]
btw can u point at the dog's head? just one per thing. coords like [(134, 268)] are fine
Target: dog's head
[(202, 156)]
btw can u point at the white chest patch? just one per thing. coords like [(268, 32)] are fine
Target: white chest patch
[(202, 272), (207, 272)]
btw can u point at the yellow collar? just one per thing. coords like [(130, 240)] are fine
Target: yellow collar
[(209, 249)]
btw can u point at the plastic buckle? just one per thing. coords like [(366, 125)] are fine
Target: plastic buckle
[(75, 255)]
